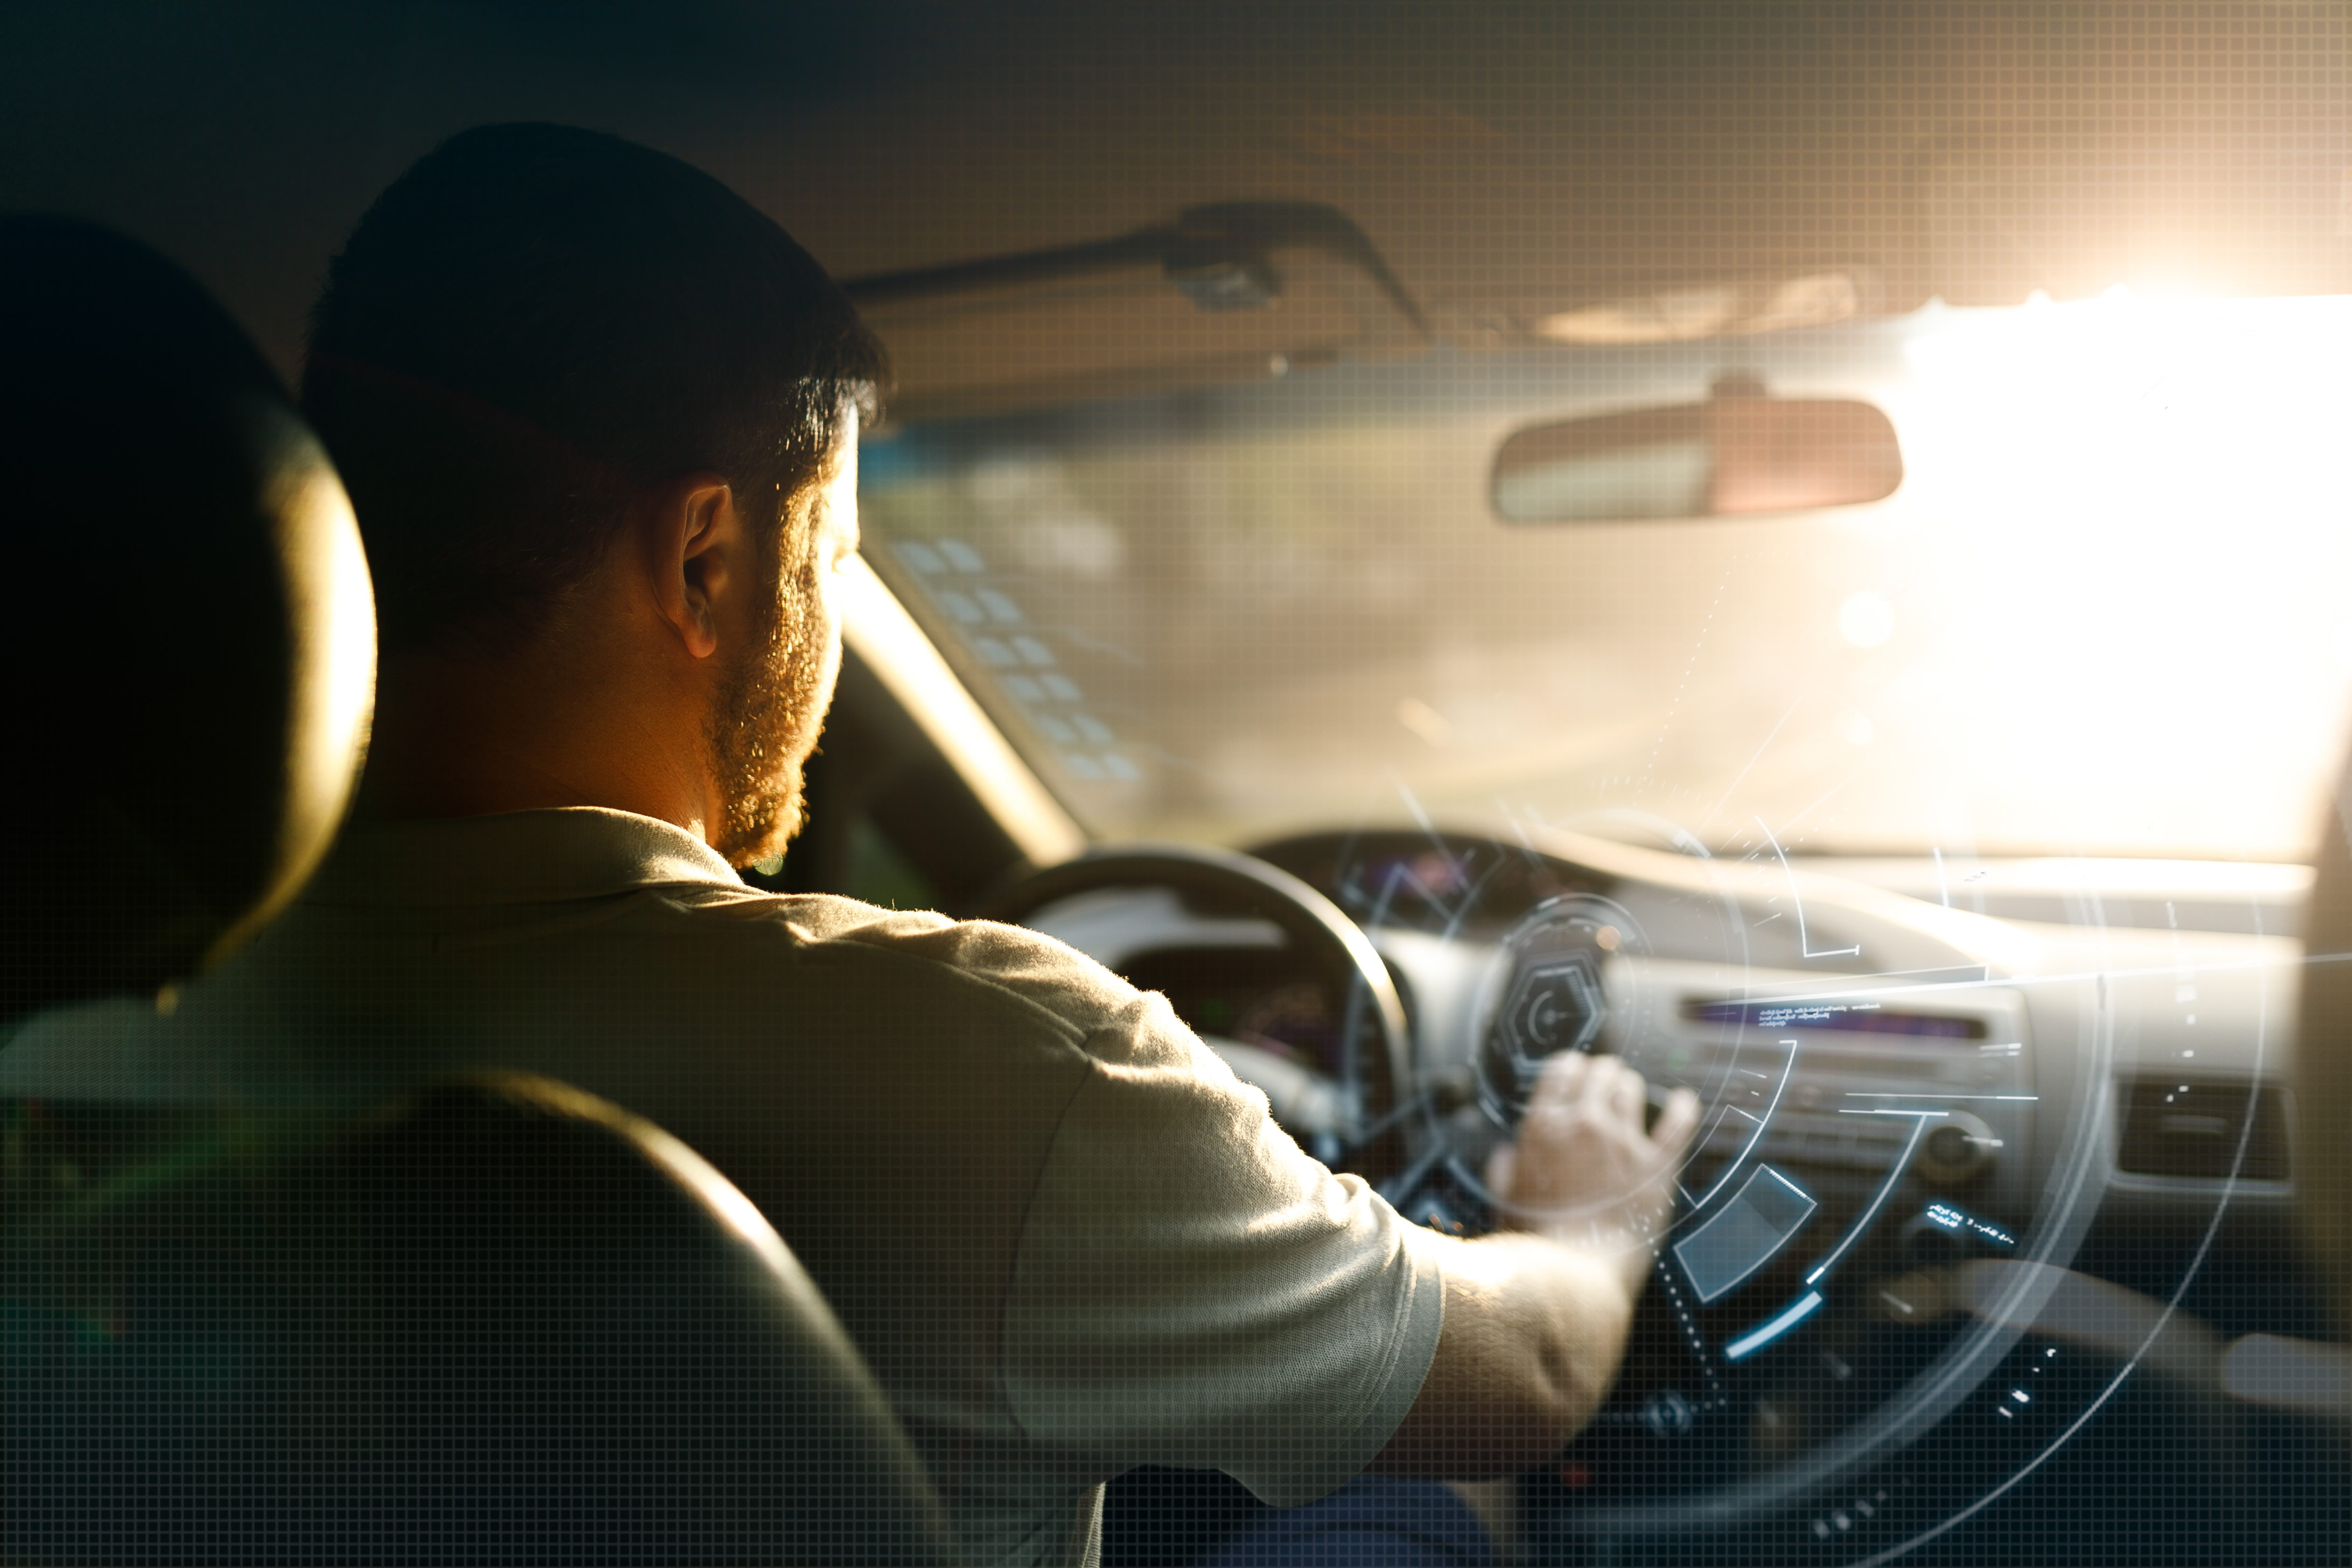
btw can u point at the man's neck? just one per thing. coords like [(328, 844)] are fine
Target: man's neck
[(469, 736)]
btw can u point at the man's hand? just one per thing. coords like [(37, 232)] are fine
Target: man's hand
[(1585, 1172), (1534, 1331)]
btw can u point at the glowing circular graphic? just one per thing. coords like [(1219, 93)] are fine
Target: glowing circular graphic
[(1886, 1190)]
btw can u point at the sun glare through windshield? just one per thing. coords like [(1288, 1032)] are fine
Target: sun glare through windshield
[(2098, 617)]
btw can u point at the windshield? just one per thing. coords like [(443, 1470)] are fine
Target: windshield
[(2104, 614)]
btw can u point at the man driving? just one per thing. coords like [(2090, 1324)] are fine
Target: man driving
[(598, 416)]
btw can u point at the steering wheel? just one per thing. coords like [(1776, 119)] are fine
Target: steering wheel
[(1356, 1087)]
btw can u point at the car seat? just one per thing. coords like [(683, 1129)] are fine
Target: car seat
[(492, 1319)]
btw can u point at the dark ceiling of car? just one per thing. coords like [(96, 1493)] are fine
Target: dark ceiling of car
[(1507, 160)]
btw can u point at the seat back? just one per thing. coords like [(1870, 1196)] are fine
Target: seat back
[(496, 1320), (190, 644)]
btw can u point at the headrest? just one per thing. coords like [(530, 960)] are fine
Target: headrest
[(189, 642)]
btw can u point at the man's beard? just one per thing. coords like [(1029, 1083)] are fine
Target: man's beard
[(767, 722)]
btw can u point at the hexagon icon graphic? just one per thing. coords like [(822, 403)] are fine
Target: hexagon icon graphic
[(1554, 1004)]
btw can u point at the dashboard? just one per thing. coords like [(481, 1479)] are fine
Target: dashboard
[(1987, 1233)]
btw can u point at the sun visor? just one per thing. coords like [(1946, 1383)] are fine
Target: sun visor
[(1245, 291)]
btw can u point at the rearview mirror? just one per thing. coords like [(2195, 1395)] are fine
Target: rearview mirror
[(1739, 454)]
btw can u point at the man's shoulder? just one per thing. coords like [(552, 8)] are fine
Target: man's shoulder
[(923, 951)]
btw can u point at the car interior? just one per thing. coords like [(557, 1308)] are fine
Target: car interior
[(1801, 545)]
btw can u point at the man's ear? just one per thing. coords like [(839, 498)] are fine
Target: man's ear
[(696, 553)]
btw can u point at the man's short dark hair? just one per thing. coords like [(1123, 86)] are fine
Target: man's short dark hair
[(535, 325)]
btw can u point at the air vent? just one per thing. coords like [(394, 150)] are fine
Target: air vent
[(2193, 1128)]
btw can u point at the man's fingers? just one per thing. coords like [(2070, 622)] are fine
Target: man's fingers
[(1677, 1123), (1502, 1166), (1624, 1092), (1603, 1086), (1560, 1080)]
